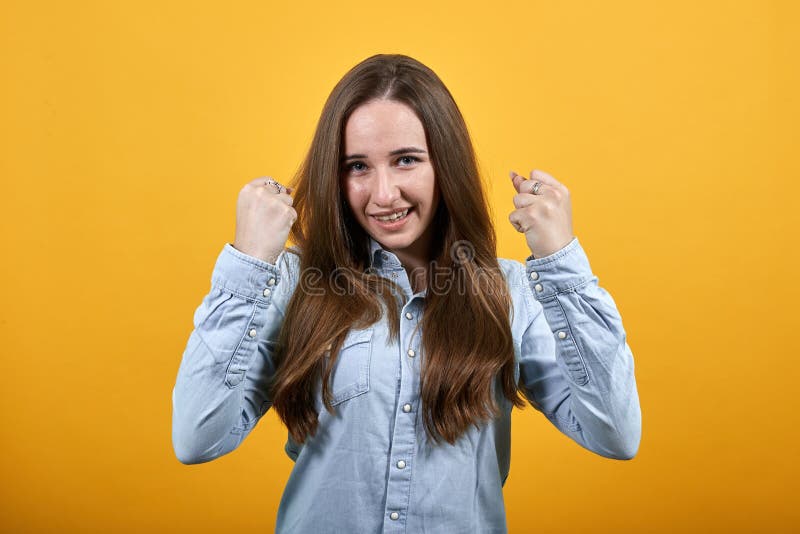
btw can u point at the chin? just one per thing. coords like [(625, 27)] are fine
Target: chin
[(395, 242)]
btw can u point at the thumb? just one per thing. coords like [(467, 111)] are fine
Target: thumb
[(517, 180)]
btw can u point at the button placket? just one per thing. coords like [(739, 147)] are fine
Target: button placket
[(535, 276), (404, 436)]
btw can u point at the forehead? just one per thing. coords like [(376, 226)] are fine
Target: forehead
[(381, 124)]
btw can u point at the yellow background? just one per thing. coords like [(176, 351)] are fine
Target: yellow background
[(128, 129)]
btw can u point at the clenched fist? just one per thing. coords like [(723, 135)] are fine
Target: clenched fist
[(543, 212), (264, 217)]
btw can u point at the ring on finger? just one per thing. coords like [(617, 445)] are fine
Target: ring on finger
[(270, 181)]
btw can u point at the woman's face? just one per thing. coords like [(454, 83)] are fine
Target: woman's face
[(386, 169)]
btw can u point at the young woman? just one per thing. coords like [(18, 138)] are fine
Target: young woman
[(391, 341)]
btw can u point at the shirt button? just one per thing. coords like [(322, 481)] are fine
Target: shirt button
[(394, 515), (534, 275), (401, 464), (562, 335), (411, 352), (406, 407), (409, 315), (252, 332), (393, 275), (271, 282), (267, 292), (538, 287), (385, 256)]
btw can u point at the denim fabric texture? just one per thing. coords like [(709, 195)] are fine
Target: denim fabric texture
[(370, 468)]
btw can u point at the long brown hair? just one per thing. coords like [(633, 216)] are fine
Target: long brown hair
[(466, 333)]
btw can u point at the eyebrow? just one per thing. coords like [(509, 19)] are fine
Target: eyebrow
[(404, 150)]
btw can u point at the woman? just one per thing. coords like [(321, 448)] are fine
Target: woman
[(393, 347)]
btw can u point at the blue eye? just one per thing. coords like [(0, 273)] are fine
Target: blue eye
[(409, 157), (351, 166)]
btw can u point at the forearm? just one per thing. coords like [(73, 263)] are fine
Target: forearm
[(589, 389), (221, 387)]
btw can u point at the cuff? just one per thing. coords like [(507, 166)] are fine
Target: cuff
[(558, 272), (246, 276)]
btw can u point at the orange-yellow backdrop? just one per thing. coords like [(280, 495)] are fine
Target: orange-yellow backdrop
[(129, 128)]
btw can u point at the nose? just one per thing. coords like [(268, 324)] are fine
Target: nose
[(385, 193)]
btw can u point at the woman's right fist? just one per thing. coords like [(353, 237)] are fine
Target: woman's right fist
[(263, 219)]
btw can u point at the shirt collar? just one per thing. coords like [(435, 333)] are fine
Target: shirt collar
[(376, 258), (375, 251), (379, 257)]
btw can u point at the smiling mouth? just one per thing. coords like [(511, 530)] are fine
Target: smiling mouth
[(394, 217)]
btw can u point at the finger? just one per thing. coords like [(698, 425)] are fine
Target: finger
[(545, 178), (293, 214), (261, 181), (523, 185), (517, 181), (534, 187), (523, 199), (283, 197), (515, 220)]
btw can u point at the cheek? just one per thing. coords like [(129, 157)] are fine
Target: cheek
[(431, 191), (356, 196)]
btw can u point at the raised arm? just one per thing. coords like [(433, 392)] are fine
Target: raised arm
[(220, 391), (575, 363)]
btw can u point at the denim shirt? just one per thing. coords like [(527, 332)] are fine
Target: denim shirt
[(370, 468)]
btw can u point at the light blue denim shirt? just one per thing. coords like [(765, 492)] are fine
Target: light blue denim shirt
[(371, 468)]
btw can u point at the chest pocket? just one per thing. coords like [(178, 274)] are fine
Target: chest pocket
[(351, 372)]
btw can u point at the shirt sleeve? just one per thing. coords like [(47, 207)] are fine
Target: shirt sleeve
[(220, 391), (575, 363)]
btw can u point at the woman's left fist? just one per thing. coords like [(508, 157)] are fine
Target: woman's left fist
[(543, 214)]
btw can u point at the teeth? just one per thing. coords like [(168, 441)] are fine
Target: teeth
[(394, 217)]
